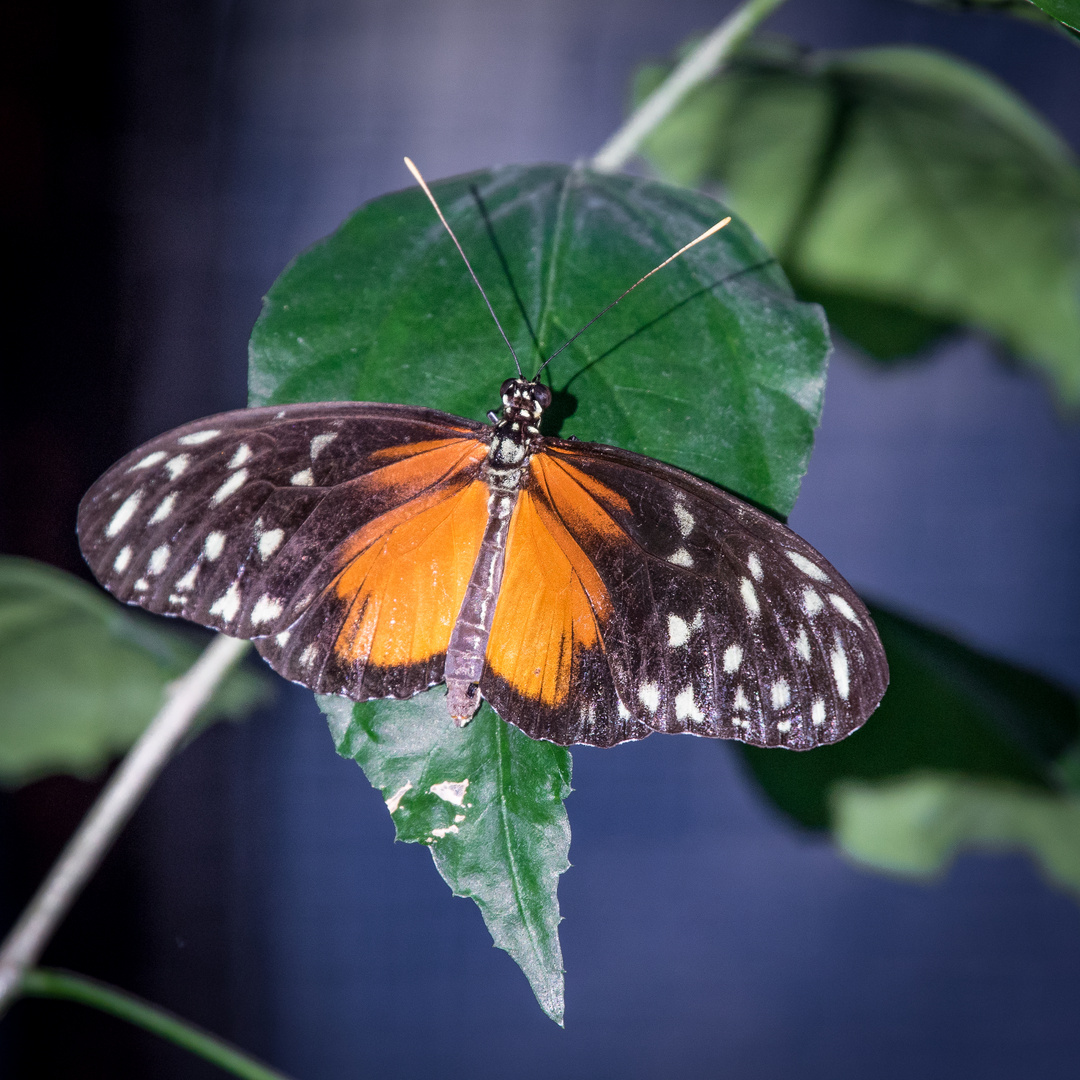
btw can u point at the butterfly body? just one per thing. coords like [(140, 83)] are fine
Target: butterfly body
[(592, 595)]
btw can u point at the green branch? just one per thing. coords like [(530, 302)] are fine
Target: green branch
[(45, 983), (702, 63)]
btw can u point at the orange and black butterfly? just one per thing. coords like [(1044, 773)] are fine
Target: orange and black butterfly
[(590, 594)]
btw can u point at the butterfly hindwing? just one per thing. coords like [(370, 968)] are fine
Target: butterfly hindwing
[(286, 525), (712, 617)]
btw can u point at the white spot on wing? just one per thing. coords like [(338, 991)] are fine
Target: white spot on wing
[(282, 639), (269, 542), (784, 726), (806, 566), (844, 608), (266, 609), (682, 557), (230, 487), (148, 461), (754, 565), (802, 644), (304, 478), (678, 631), (188, 580), (684, 518), (307, 657), (395, 800), (243, 452), (123, 559), (686, 708), (159, 559), (321, 442), (451, 791), (214, 545), (624, 712), (124, 514), (780, 693), (840, 670), (228, 604), (811, 602), (177, 466), (197, 438), (740, 702), (141, 585), (649, 695), (732, 658), (164, 508), (749, 597), (817, 712)]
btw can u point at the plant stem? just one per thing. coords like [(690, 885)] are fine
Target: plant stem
[(46, 983), (116, 803), (704, 62)]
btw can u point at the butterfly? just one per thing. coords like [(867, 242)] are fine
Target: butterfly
[(590, 594)]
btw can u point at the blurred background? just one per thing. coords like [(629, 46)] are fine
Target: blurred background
[(163, 162)]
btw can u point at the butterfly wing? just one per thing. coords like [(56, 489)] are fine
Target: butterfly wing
[(668, 604), (339, 536)]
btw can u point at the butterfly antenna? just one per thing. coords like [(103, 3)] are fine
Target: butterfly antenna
[(427, 191), (671, 258)]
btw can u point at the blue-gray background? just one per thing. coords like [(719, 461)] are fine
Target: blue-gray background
[(704, 936)]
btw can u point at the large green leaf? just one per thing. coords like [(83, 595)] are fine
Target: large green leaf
[(915, 825), (488, 802), (948, 709), (1065, 11), (712, 365), (896, 177), (1061, 15), (81, 676)]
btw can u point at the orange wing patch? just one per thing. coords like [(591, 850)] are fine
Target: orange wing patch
[(414, 466), (405, 577), (552, 603)]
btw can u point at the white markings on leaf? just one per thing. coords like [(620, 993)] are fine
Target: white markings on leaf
[(754, 565), (839, 662), (269, 542), (678, 631), (732, 658), (304, 478), (817, 712), (159, 559), (438, 834), (230, 487), (243, 453), (649, 695), (228, 604), (740, 700), (188, 580), (844, 608), (197, 438), (214, 545), (321, 442), (781, 694), (177, 466), (266, 609), (806, 566), (682, 557), (451, 791), (164, 508), (395, 800), (684, 518), (148, 461), (812, 603), (749, 597), (686, 708), (802, 644), (124, 514), (123, 559)]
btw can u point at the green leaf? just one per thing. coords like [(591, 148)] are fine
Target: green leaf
[(712, 365), (1060, 15), (1065, 11), (81, 676), (948, 709), (488, 802), (897, 177), (916, 825)]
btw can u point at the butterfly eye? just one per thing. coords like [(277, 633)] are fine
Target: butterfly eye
[(507, 387), (542, 394)]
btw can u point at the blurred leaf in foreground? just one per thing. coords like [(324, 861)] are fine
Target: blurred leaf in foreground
[(488, 801), (963, 750), (81, 676), (904, 189)]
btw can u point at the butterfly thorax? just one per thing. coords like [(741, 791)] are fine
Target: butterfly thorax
[(516, 434)]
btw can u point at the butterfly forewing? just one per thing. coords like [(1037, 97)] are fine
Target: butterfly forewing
[(712, 617), (249, 522)]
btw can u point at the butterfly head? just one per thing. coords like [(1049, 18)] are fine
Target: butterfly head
[(524, 402)]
